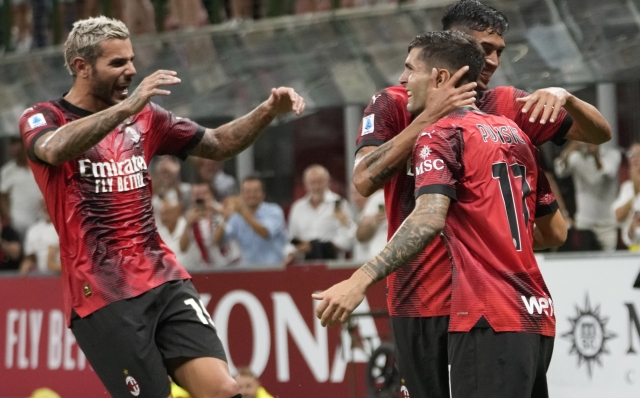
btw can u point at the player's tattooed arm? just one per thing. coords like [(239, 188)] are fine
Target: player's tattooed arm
[(75, 138), (375, 166), (373, 157), (419, 229), (377, 156), (234, 137)]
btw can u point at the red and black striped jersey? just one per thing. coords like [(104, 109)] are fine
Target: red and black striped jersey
[(100, 203), (502, 101), (421, 288), (488, 167)]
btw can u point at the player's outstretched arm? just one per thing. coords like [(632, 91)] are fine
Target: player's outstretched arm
[(374, 166), (75, 138), (234, 137), (588, 123), (416, 232), (550, 231)]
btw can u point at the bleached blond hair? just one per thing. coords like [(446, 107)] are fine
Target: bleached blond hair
[(85, 37)]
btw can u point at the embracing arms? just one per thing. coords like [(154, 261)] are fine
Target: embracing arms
[(588, 123), (374, 166)]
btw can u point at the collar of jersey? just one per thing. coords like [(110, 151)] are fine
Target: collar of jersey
[(471, 109), (74, 109)]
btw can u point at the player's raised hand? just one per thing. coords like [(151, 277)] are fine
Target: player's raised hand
[(149, 87), (442, 100), (546, 101), (284, 100)]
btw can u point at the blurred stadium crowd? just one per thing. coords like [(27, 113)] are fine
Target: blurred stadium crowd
[(212, 221), (31, 24)]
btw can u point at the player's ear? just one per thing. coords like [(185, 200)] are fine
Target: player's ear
[(81, 66), (443, 76)]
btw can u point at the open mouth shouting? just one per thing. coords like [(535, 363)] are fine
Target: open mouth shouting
[(121, 91)]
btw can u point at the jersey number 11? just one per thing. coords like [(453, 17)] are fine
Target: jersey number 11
[(501, 172)]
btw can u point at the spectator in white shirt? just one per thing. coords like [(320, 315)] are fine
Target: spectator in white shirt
[(166, 183), (627, 206), (171, 227), (595, 175), (19, 193), (371, 234), (320, 223), (41, 246)]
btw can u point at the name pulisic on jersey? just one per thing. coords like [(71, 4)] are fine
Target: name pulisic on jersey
[(506, 134)]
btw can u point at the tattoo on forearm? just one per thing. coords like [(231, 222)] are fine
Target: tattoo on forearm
[(418, 230), (382, 176), (74, 139), (234, 137), (370, 272), (377, 156)]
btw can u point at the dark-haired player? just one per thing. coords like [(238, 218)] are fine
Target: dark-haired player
[(130, 305), (478, 172), (418, 294)]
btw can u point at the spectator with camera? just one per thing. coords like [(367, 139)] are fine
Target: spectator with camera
[(257, 226), (594, 170), (172, 227), (166, 183), (627, 206), (372, 229), (203, 220), (320, 223)]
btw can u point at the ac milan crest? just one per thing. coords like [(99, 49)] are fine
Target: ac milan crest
[(133, 386)]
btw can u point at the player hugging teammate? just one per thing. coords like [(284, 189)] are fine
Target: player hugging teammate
[(497, 294)]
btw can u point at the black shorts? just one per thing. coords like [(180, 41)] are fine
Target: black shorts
[(486, 364), (128, 342), (421, 345)]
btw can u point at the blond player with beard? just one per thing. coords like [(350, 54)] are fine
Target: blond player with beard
[(129, 303)]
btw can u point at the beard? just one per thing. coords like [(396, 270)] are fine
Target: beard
[(102, 89)]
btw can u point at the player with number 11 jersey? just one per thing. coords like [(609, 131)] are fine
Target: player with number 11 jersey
[(421, 289), (487, 165)]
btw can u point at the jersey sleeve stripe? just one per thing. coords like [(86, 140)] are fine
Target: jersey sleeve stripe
[(32, 146), (545, 210), (197, 137), (369, 142), (437, 188), (566, 124)]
